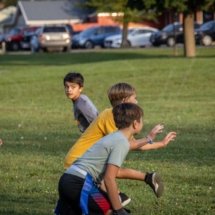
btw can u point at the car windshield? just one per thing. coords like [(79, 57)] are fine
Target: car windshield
[(170, 28), (131, 30), (14, 31), (88, 31), (206, 26), (54, 29)]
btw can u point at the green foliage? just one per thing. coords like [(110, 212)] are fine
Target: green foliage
[(144, 9), (185, 6), (209, 5), (134, 10), (37, 126), (9, 2)]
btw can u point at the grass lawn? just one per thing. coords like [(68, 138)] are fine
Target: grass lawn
[(37, 126)]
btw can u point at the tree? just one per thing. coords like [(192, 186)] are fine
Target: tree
[(128, 11), (136, 10), (8, 2), (188, 8)]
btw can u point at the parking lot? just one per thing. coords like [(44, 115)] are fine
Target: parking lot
[(61, 38)]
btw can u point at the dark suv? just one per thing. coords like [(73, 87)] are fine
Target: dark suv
[(205, 35), (169, 35), (94, 36)]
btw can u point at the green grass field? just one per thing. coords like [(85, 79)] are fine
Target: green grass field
[(37, 126)]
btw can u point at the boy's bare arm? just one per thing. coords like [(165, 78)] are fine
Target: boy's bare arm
[(137, 144), (161, 144), (111, 186)]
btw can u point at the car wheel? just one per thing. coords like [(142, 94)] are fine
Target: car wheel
[(66, 49), (170, 41), (206, 40), (15, 46), (88, 45)]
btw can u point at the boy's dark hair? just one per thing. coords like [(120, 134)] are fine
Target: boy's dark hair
[(124, 114), (120, 91), (74, 77)]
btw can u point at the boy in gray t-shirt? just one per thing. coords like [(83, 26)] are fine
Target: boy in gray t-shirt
[(79, 190), (84, 110)]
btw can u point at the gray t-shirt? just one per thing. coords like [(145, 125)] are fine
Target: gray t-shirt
[(111, 149), (84, 112)]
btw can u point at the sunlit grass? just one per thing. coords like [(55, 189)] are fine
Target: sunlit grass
[(37, 126)]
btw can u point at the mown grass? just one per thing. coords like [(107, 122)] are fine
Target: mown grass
[(37, 126)]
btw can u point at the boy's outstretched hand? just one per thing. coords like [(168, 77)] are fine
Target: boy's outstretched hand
[(156, 130), (169, 137)]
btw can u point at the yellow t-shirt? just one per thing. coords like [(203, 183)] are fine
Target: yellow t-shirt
[(104, 124)]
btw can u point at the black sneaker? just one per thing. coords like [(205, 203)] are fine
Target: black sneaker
[(124, 199), (155, 182)]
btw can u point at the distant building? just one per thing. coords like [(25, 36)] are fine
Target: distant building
[(6, 16), (46, 12)]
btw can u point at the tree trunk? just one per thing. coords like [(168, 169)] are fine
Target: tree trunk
[(125, 35), (189, 39)]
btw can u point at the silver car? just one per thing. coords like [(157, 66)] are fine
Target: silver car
[(55, 37), (137, 37)]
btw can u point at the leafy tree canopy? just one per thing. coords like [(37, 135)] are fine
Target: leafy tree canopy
[(133, 10), (186, 6), (8, 2)]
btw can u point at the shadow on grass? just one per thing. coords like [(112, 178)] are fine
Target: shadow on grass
[(20, 205), (83, 56), (48, 143), (76, 58), (189, 146)]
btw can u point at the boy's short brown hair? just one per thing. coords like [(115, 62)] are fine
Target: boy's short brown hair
[(74, 77), (120, 91), (125, 113)]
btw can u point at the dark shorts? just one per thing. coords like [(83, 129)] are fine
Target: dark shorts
[(70, 187)]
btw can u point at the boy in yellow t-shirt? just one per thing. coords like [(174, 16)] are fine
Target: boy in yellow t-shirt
[(104, 124)]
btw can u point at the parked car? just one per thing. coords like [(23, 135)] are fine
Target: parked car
[(137, 37), (170, 35), (94, 36), (28, 33), (205, 35), (52, 37), (1, 40), (14, 38)]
